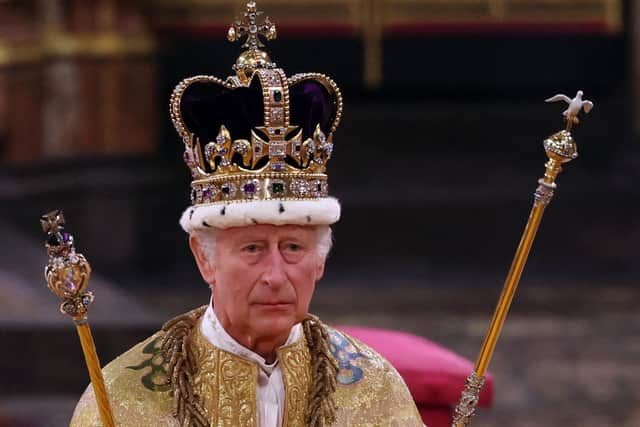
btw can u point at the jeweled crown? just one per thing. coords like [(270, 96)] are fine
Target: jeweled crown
[(257, 135)]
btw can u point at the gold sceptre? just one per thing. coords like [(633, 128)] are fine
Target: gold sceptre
[(560, 148), (67, 274)]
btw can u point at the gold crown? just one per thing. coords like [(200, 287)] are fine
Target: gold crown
[(258, 135)]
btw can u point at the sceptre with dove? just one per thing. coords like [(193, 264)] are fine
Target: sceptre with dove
[(576, 105), (560, 149)]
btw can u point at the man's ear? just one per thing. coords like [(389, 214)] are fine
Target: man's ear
[(320, 269), (203, 260)]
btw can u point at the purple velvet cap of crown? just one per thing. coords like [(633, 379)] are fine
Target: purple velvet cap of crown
[(206, 105), (311, 104)]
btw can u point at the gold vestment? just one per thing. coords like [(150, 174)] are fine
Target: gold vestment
[(370, 391)]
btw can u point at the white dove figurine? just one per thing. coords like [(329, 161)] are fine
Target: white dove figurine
[(575, 105)]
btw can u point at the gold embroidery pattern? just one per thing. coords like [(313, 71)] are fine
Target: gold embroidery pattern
[(296, 369), (380, 398), (226, 385), (237, 388), (206, 380)]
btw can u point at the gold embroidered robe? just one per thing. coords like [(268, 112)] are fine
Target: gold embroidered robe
[(370, 392)]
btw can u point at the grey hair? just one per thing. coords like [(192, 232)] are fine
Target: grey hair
[(207, 239)]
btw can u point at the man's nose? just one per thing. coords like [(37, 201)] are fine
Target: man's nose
[(275, 275)]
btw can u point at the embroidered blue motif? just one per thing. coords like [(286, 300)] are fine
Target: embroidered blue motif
[(344, 353)]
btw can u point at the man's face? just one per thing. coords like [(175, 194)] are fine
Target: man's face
[(262, 278)]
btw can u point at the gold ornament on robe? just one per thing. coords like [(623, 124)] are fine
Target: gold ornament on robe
[(370, 392)]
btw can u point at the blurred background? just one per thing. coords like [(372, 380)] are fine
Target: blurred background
[(435, 163)]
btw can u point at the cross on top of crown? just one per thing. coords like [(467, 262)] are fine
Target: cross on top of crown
[(249, 27)]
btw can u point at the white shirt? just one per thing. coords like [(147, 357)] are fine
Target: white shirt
[(270, 390)]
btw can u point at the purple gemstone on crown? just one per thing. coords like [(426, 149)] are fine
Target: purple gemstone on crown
[(249, 188), (66, 237), (206, 193), (277, 166)]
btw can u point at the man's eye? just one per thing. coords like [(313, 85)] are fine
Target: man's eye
[(251, 248), (292, 252)]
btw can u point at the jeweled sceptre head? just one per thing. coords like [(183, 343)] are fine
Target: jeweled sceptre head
[(67, 272), (257, 143)]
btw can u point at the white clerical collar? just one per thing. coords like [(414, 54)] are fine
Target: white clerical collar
[(213, 331)]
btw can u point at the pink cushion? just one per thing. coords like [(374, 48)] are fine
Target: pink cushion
[(435, 376), (436, 417)]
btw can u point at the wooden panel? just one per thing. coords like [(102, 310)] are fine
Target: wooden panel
[(604, 15), (76, 79), (20, 112)]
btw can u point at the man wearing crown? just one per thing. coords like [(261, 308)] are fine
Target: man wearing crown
[(257, 145)]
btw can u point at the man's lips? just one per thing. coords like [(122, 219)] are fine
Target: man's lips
[(272, 304)]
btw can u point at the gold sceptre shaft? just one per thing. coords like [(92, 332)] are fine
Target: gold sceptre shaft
[(560, 148), (67, 274)]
